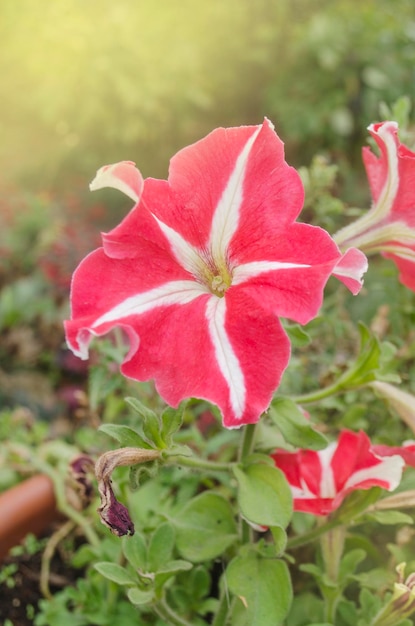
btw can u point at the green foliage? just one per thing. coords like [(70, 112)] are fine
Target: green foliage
[(345, 58), (263, 495), (263, 587), (294, 426), (205, 527), (319, 70)]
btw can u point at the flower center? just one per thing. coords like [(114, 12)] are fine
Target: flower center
[(218, 285), (214, 273), (218, 279)]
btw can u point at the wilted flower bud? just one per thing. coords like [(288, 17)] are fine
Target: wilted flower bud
[(114, 514), (80, 485)]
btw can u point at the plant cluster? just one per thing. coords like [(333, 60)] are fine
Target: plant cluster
[(267, 477)]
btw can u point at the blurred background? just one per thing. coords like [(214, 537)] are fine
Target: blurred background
[(85, 83), (95, 81)]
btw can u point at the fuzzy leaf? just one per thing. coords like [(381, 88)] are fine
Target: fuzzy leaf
[(294, 426), (138, 596), (205, 527), (126, 436), (161, 547), (389, 517), (264, 588), (135, 551), (115, 572), (264, 496), (151, 422)]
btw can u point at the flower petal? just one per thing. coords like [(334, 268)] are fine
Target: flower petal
[(203, 354), (205, 176), (291, 282), (106, 292), (406, 270), (407, 451), (123, 176), (350, 269), (383, 171), (321, 480)]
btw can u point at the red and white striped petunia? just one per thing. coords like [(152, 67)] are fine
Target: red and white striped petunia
[(389, 226), (321, 480), (198, 273)]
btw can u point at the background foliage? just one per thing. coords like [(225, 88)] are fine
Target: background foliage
[(93, 82)]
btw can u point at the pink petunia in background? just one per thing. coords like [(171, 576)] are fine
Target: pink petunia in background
[(200, 270), (321, 480), (389, 226)]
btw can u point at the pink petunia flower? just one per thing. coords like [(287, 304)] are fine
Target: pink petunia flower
[(199, 271), (389, 226), (321, 480)]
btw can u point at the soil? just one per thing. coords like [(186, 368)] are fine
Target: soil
[(20, 594)]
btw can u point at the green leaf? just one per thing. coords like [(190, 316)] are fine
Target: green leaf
[(299, 338), (264, 496), (151, 422), (306, 609), (171, 569), (139, 596), (135, 551), (264, 587), (389, 517), (349, 562), (115, 572), (125, 435), (199, 582), (161, 546), (205, 527), (171, 420), (356, 503), (371, 363), (280, 539), (294, 426)]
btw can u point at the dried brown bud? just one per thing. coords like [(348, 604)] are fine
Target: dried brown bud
[(80, 483), (114, 514)]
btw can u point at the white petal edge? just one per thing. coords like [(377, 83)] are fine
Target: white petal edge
[(226, 358), (188, 256), (359, 232), (327, 482), (107, 176), (174, 292), (246, 271), (388, 194), (389, 470), (226, 215)]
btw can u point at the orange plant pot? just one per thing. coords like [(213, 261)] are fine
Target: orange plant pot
[(29, 507)]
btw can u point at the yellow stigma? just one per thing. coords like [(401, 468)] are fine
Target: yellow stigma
[(218, 284)]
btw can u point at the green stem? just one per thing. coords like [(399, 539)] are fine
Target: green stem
[(221, 615), (166, 613), (247, 442), (332, 544), (199, 464), (245, 449), (312, 535), (320, 394)]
